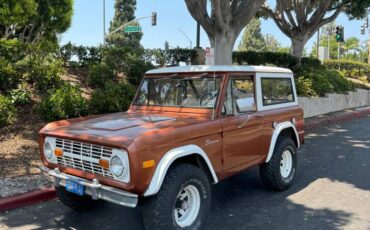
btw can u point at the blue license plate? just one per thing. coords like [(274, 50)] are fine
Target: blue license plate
[(74, 187)]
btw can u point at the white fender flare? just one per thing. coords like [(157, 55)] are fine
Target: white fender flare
[(168, 159), (278, 129)]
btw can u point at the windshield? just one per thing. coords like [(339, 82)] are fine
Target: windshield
[(194, 92)]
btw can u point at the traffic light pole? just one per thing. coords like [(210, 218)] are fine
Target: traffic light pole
[(128, 23), (338, 50)]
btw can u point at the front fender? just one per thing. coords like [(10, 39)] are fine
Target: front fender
[(167, 161)]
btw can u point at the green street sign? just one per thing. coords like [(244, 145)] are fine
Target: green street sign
[(132, 29)]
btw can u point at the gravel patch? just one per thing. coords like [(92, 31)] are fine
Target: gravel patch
[(24, 184)]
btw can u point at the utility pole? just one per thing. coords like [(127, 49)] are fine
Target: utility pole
[(198, 35), (104, 22)]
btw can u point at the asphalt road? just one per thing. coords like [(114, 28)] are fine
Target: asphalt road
[(332, 191)]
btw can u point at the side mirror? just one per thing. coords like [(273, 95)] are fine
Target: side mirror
[(245, 105)]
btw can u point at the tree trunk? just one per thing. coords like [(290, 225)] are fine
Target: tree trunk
[(298, 47), (224, 45)]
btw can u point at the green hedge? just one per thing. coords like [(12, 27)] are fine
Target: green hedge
[(311, 81), (351, 69), (271, 58)]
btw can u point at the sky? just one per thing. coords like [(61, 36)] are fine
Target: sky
[(173, 17)]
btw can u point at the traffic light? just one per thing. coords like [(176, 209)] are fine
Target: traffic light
[(154, 18), (342, 34), (339, 34), (363, 30), (367, 23)]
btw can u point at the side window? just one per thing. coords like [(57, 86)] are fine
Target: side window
[(277, 91), (240, 97)]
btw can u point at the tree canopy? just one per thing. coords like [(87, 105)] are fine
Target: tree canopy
[(301, 19), (224, 22), (254, 40), (124, 13), (31, 20)]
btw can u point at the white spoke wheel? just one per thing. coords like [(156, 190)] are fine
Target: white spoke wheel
[(187, 206), (286, 164), (182, 202), (278, 174)]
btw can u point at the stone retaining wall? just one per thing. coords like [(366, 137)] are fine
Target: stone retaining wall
[(334, 102)]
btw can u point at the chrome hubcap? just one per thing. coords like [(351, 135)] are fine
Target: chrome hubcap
[(286, 164), (187, 206)]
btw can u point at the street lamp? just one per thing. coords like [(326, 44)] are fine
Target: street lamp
[(191, 43)]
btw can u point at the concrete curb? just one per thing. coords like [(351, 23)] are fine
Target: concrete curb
[(319, 121), (49, 193), (27, 199)]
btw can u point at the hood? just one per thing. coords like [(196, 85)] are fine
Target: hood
[(116, 130)]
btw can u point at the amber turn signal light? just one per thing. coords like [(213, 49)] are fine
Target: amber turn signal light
[(58, 152), (148, 164), (104, 163)]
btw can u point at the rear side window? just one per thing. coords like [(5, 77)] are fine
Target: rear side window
[(277, 91)]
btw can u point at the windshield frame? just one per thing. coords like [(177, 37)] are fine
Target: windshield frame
[(194, 75)]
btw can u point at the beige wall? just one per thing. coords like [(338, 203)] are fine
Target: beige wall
[(334, 102)]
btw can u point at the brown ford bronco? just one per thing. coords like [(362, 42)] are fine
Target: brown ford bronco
[(187, 128)]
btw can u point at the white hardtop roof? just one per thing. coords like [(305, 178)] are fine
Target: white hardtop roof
[(219, 68)]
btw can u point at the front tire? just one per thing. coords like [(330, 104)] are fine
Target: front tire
[(183, 201), (77, 203), (279, 173)]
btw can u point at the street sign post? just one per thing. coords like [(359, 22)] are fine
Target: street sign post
[(210, 56), (132, 29)]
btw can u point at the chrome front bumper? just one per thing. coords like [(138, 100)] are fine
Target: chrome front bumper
[(95, 189)]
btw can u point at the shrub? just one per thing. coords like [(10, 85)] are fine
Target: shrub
[(11, 52), (20, 96), (7, 111), (135, 70), (114, 97), (47, 76), (320, 81), (99, 74), (351, 69), (304, 87), (9, 77), (63, 103)]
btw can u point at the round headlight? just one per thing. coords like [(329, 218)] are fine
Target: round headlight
[(116, 166), (48, 150)]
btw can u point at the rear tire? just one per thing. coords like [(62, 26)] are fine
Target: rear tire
[(77, 203), (279, 173), (182, 203)]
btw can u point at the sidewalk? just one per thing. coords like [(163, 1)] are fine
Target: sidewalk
[(26, 190), (336, 117)]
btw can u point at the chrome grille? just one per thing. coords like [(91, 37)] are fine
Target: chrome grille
[(83, 156)]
